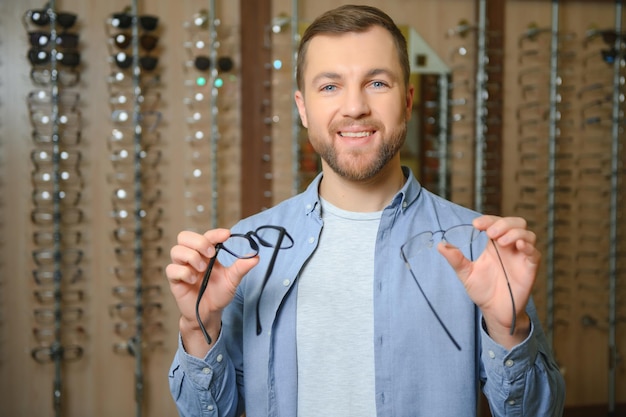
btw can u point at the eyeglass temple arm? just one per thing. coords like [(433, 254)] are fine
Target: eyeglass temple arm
[(508, 284), (432, 308), (270, 268), (203, 285)]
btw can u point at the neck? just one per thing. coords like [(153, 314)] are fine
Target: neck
[(369, 195)]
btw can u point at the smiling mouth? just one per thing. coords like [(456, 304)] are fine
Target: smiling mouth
[(356, 134)]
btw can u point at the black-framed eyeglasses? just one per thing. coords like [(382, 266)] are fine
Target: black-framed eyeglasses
[(460, 236), (39, 56), (41, 17), (124, 61), (244, 246), (123, 40), (41, 39), (125, 21)]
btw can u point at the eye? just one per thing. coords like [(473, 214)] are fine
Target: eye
[(378, 84), (328, 88)]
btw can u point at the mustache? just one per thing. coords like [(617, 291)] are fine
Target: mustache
[(369, 124)]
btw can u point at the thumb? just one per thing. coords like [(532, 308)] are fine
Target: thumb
[(456, 259), (240, 268)]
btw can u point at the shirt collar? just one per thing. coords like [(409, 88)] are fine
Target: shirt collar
[(405, 197)]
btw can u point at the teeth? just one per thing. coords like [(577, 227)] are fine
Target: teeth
[(355, 134)]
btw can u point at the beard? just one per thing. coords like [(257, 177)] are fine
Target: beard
[(359, 164)]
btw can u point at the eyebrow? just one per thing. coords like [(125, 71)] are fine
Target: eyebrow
[(371, 73)]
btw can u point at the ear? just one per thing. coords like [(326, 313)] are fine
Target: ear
[(301, 108), (409, 101)]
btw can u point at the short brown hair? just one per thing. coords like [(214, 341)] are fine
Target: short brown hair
[(352, 18)]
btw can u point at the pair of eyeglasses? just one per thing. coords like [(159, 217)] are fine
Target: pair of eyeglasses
[(47, 257), (124, 61), (122, 100), (124, 197), (126, 178), (127, 330), (45, 198), (39, 56), (131, 346), (65, 76), (69, 216), (128, 310), (148, 217), (44, 158), (244, 246), (129, 273), (47, 335), (145, 253), (41, 17), (121, 80), (123, 40), (125, 136), (43, 98), (50, 275), (49, 296), (148, 119), (46, 316), (42, 178), (42, 121), (48, 238), (608, 36), (203, 63), (126, 235), (42, 39), (124, 157), (66, 138), (460, 236), (124, 20), (130, 292), (47, 354)]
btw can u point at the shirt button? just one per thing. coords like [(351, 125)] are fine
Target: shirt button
[(509, 363), (206, 371), (311, 239), (492, 355), (219, 357), (404, 204), (286, 282), (210, 407), (511, 402)]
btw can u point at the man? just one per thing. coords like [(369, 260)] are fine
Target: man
[(344, 327)]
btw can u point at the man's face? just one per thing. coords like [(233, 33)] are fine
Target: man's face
[(354, 102)]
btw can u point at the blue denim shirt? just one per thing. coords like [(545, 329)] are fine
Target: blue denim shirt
[(419, 372)]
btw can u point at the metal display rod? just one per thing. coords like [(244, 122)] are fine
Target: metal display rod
[(138, 201), (295, 115), (443, 134), (552, 134), (480, 109), (56, 349), (215, 132), (615, 160)]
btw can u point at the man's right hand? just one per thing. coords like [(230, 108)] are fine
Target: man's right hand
[(190, 259)]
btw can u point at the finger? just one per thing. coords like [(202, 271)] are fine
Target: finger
[(177, 274), (461, 265), (485, 221), (183, 255), (204, 244), (239, 269)]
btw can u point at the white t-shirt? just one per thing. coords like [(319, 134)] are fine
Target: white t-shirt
[(335, 318)]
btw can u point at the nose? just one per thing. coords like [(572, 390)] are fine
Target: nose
[(355, 103)]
